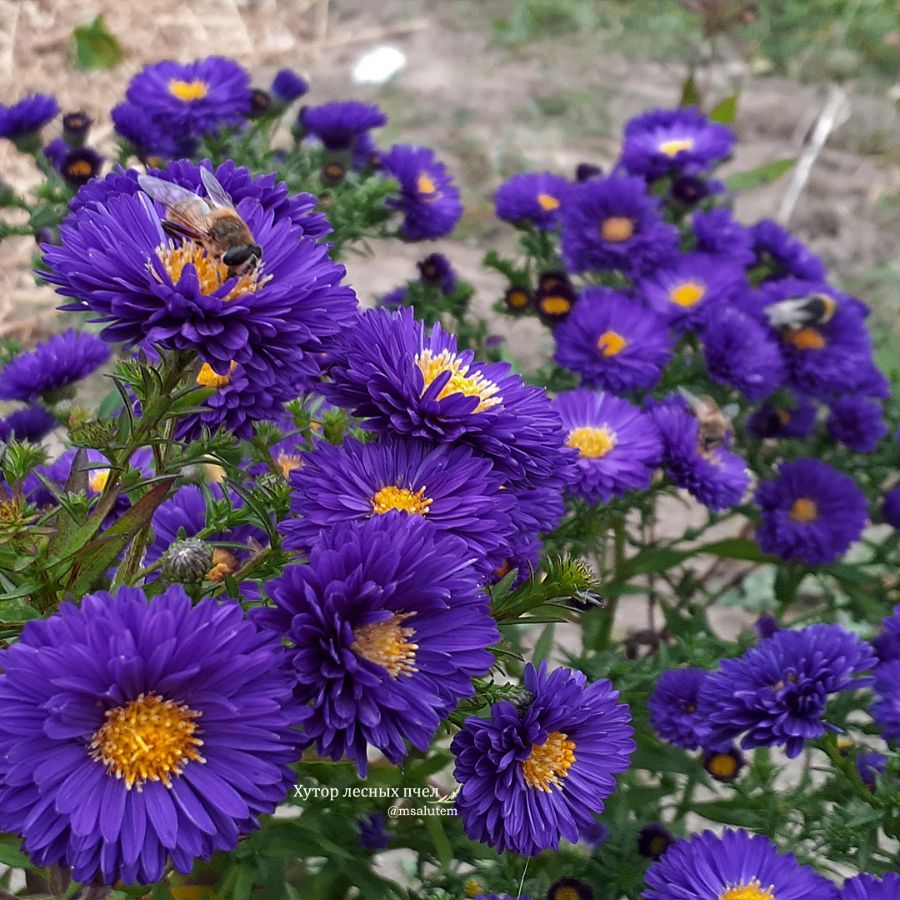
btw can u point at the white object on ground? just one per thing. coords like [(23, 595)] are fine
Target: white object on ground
[(379, 65)]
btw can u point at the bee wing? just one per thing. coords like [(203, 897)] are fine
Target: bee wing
[(785, 313), (217, 194), (730, 410), (183, 207), (693, 401)]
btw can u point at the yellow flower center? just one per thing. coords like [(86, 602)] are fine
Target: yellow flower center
[(287, 462), (211, 272), (751, 890), (676, 145), (592, 443), (386, 644), (517, 299), (784, 416), (611, 342), (208, 377), (188, 90), (472, 888), (555, 305), (658, 845), (566, 893), (403, 499), (548, 202), (79, 168), (147, 739), (425, 185), (806, 338), (549, 763), (724, 765), (804, 510), (97, 480), (687, 294), (224, 563), (460, 382), (616, 229)]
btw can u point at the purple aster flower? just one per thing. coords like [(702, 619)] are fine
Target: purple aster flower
[(189, 100), (868, 887), (388, 628), (887, 644), (742, 353), (870, 765), (594, 835), (890, 509), (569, 889), (288, 86), (736, 865), (766, 626), (26, 117), (80, 165), (724, 764), (683, 140), (56, 152), (33, 423), (653, 840), (783, 255), (389, 371), (618, 446), (688, 190), (830, 358), (720, 235), (531, 198), (428, 198), (373, 832), (452, 487), (393, 299), (613, 342), (135, 733), (857, 423), (776, 693), (117, 262), (242, 397), (673, 706), (777, 420), (53, 364), (585, 171), (886, 708), (690, 289), (532, 776), (613, 223), (149, 138), (339, 125), (717, 478), (811, 512), (76, 126), (436, 269)]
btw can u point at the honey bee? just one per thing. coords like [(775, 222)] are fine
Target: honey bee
[(214, 224), (799, 312), (714, 422)]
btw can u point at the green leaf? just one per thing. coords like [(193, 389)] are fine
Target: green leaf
[(725, 111), (97, 556), (651, 560), (690, 93), (736, 813), (544, 645), (95, 47), (109, 405), (441, 842), (658, 760), (737, 548), (760, 176), (12, 856)]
